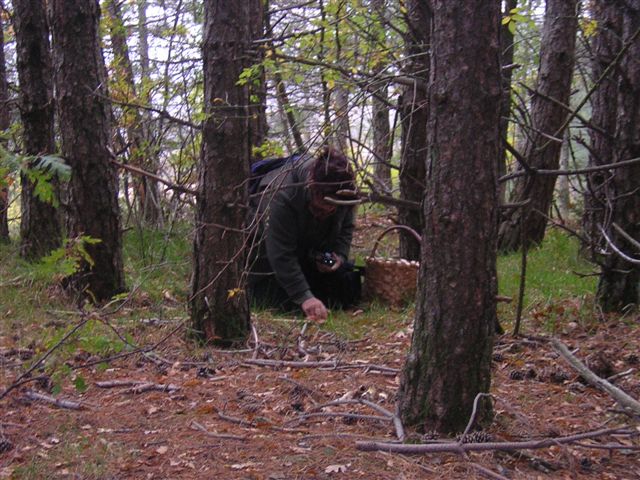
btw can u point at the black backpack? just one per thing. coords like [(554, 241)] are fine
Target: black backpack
[(263, 167)]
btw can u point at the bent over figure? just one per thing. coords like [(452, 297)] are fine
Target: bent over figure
[(305, 216)]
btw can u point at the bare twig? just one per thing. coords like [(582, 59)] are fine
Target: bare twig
[(618, 395), (19, 381), (222, 436), (486, 472), (58, 402)]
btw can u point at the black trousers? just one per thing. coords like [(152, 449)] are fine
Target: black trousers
[(337, 290)]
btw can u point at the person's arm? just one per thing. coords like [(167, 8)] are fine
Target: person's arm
[(281, 239)]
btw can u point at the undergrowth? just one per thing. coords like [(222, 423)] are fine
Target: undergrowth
[(36, 313)]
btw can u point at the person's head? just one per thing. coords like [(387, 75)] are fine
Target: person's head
[(332, 182)]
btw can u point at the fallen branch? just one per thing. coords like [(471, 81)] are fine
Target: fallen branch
[(486, 472), (58, 402), (119, 383), (624, 400), (462, 448), (222, 436), (323, 364), (147, 387)]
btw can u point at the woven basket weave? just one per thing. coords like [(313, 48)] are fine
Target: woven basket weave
[(392, 280)]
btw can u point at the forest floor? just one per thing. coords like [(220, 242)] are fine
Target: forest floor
[(265, 413)]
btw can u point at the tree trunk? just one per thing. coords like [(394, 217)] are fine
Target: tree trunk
[(605, 45), (449, 363), (258, 126), (414, 112), (544, 140), (5, 121), (563, 186), (85, 133), (219, 304), (41, 224), (507, 49), (147, 194), (619, 285), (382, 150)]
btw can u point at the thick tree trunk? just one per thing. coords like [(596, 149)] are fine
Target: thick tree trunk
[(619, 286), (219, 304), (4, 124), (544, 140), (85, 133), (605, 45), (450, 357), (41, 224), (414, 112)]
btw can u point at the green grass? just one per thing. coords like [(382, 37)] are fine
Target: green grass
[(555, 282)]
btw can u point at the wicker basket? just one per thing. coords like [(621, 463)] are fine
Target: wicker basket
[(392, 280)]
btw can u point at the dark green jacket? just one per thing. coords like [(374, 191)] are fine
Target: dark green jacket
[(290, 234)]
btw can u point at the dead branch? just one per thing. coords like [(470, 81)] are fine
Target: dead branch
[(323, 364), (153, 176), (158, 387), (617, 376), (221, 436), (463, 448), (624, 400), (57, 402), (352, 416), (119, 383)]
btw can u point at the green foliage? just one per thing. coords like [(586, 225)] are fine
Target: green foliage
[(66, 260), (517, 16), (41, 171)]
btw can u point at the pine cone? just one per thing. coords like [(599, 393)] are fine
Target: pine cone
[(475, 437)]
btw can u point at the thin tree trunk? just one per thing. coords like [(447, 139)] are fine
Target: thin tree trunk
[(4, 124), (41, 224), (544, 141), (449, 362), (382, 150), (147, 194), (219, 304), (619, 285), (258, 91), (414, 113), (507, 49), (563, 187), (85, 133)]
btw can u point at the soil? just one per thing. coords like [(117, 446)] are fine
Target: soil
[(219, 414)]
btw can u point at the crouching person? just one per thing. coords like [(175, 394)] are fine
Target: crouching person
[(304, 216)]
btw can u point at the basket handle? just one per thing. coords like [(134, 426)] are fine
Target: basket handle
[(391, 228)]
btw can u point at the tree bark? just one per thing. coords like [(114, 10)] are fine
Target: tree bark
[(414, 113), (619, 283), (85, 132), (41, 223), (450, 357), (544, 140), (605, 45), (5, 121), (219, 304), (258, 126), (382, 150)]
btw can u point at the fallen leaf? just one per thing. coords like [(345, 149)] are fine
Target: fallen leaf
[(335, 469), (162, 450)]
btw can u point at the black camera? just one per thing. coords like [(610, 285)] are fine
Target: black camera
[(327, 259)]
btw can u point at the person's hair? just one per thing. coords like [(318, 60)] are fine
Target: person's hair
[(332, 172)]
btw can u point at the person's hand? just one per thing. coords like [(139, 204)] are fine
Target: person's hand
[(337, 263), (314, 310)]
